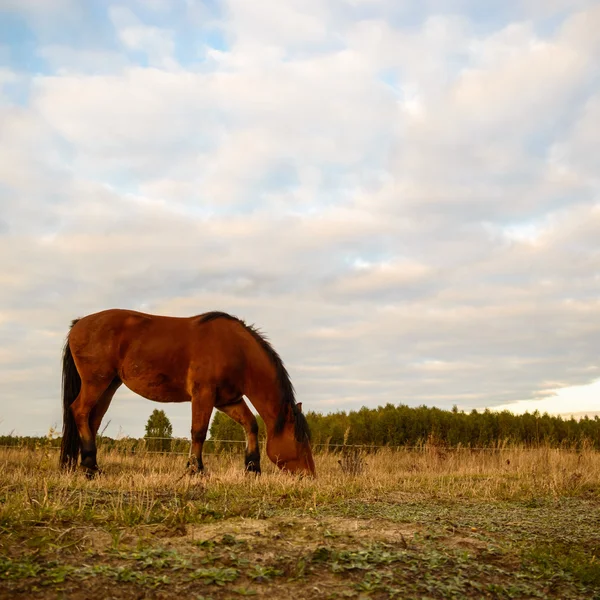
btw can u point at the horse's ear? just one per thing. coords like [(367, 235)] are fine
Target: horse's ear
[(299, 406)]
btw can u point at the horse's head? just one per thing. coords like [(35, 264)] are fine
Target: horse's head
[(290, 449)]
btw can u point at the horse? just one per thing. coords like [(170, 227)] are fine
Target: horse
[(212, 360)]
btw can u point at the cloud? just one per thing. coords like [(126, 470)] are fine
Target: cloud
[(381, 279), (65, 60), (405, 200), (576, 153), (35, 7), (558, 401), (155, 42)]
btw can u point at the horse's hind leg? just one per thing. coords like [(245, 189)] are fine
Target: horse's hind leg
[(241, 414), (99, 410), (88, 398)]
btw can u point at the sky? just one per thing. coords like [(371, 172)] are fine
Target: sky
[(404, 196)]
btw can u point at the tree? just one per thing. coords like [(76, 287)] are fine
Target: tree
[(159, 431)]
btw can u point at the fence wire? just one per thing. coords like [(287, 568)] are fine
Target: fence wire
[(121, 447)]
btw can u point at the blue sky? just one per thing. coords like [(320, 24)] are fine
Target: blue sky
[(403, 195)]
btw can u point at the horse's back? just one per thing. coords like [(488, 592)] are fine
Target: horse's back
[(115, 336), (119, 321), (130, 325), (160, 357)]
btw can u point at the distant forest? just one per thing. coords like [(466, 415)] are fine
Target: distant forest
[(405, 426), (402, 425), (390, 425)]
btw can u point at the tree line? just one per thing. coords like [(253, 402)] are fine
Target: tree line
[(401, 425), (390, 425)]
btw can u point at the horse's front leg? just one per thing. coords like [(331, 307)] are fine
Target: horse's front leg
[(203, 402)]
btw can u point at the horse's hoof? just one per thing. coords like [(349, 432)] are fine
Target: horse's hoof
[(192, 468), (91, 472), (195, 471)]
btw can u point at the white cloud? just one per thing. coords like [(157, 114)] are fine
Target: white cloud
[(377, 279), (156, 43), (583, 399), (33, 7), (158, 5), (286, 25), (64, 60)]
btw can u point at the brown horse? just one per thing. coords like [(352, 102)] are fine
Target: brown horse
[(212, 360)]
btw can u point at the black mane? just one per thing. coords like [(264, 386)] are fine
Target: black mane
[(288, 399)]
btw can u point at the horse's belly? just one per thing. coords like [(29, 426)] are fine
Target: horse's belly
[(159, 387)]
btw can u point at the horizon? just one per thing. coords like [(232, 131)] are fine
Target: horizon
[(56, 428)]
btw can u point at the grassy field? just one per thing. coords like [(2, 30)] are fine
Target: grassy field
[(513, 523)]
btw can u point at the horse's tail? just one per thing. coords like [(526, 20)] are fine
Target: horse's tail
[(71, 385)]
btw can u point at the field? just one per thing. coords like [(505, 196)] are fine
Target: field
[(510, 523)]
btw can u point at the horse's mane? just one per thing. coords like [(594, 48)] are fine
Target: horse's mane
[(301, 429)]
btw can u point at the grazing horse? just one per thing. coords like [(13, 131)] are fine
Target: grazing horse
[(212, 360)]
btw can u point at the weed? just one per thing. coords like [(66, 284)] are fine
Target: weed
[(261, 574), (216, 575), (552, 557), (243, 591), (352, 461)]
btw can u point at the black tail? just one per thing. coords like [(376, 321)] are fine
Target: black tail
[(71, 385)]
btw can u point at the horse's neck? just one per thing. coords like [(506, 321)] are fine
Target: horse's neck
[(262, 386), (266, 399)]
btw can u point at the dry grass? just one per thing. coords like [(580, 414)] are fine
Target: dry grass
[(506, 474), (512, 499)]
